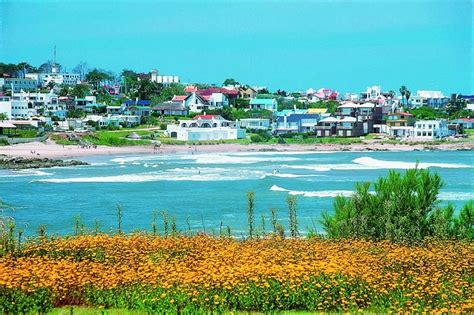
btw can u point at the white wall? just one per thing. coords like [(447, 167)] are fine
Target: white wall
[(6, 107)]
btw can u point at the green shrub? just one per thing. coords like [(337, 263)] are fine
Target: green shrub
[(402, 208), (256, 138)]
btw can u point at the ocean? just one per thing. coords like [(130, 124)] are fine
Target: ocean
[(207, 190)]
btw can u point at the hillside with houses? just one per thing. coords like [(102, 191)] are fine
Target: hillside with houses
[(39, 101)]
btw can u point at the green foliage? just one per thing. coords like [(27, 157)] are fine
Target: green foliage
[(96, 77), (292, 202), (250, 212), (403, 208), (242, 103), (230, 81), (426, 112), (16, 301), (167, 93), (330, 105), (75, 113)]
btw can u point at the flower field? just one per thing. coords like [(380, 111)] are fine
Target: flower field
[(204, 274)]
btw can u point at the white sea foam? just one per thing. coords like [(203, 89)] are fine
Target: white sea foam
[(328, 167), (122, 160), (232, 159), (374, 163), (317, 194), (26, 173), (183, 174), (451, 195), (283, 175)]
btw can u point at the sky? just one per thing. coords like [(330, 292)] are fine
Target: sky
[(291, 45)]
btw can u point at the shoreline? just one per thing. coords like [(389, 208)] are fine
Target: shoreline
[(50, 149)]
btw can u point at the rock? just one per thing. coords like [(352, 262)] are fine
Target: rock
[(18, 163)]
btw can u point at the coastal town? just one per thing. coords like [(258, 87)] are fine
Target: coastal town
[(43, 103)]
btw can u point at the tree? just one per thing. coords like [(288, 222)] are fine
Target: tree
[(3, 116), (407, 96), (64, 91), (168, 92), (455, 105), (79, 90), (403, 90), (97, 77), (230, 81), (146, 89), (81, 69)]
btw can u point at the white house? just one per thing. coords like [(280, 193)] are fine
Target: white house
[(20, 110), (255, 123), (206, 127), (431, 129), (18, 84), (6, 106), (264, 103)]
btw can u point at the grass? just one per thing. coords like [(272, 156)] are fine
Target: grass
[(21, 133), (117, 138)]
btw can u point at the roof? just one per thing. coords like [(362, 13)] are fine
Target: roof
[(298, 117), (262, 101), (317, 110), (190, 89), (170, 106), (6, 124), (139, 102), (330, 120), (225, 91), (466, 119), (288, 112), (178, 98), (205, 116)]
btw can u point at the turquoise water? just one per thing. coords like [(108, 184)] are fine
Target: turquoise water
[(210, 188)]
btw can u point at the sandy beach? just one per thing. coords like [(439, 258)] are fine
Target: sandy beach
[(50, 149)]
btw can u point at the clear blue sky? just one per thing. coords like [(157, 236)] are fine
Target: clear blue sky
[(293, 45)]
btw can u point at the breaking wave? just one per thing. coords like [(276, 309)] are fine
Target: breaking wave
[(374, 163), (317, 194), (177, 174)]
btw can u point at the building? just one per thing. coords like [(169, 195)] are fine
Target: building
[(350, 120), (206, 127), (264, 103), (364, 114), (163, 79), (400, 124), (170, 109), (6, 106), (434, 99), (247, 92), (20, 110), (431, 129), (17, 85), (465, 123), (255, 123), (141, 111), (197, 103), (296, 123), (80, 103)]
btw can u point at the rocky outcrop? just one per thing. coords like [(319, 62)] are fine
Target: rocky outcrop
[(19, 163)]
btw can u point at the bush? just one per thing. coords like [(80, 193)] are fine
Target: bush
[(163, 126), (256, 138), (403, 208)]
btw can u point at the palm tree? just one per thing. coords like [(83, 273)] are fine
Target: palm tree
[(403, 90), (407, 96)]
